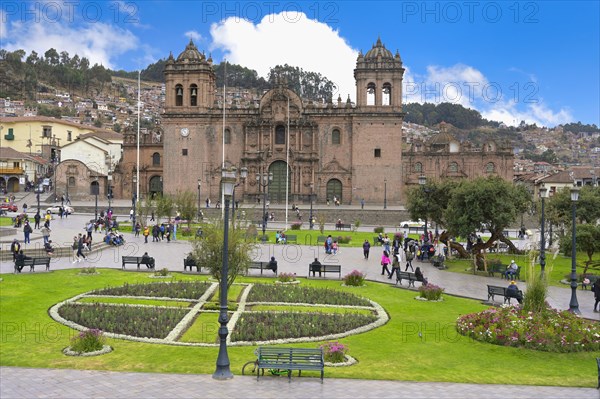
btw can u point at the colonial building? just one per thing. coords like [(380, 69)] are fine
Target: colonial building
[(444, 157), (350, 151)]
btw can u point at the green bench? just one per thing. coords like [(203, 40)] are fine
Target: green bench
[(501, 291), (32, 263), (405, 276), (290, 359), (138, 260)]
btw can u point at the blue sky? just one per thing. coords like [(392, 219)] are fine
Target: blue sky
[(512, 61)]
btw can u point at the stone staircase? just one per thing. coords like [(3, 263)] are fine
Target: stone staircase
[(63, 251)]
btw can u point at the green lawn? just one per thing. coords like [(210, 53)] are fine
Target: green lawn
[(30, 338), (557, 267), (5, 221)]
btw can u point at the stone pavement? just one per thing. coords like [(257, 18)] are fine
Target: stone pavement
[(24, 383), (53, 383)]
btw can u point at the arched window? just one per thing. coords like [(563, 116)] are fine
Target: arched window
[(156, 159), (336, 136), (71, 181), (334, 189), (280, 134), (453, 167), (371, 94), (490, 167), (95, 188), (418, 167), (193, 95), (386, 94), (227, 136), (178, 95)]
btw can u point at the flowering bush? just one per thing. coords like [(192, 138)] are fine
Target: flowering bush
[(344, 240), (334, 352), (296, 225), (550, 330), (355, 278), (162, 272), (286, 277), (378, 229), (87, 341), (431, 292)]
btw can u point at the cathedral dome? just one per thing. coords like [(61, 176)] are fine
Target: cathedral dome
[(190, 54), (379, 50)]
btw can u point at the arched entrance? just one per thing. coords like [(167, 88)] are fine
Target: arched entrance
[(334, 189), (277, 186), (95, 188), (13, 185), (156, 186)]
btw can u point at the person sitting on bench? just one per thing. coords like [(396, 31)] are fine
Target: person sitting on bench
[(48, 247), (20, 261), (419, 276), (272, 264), (146, 260), (512, 291), (511, 270), (315, 267)]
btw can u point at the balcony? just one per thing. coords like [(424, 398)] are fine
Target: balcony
[(11, 171)]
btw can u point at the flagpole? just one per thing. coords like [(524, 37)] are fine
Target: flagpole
[(137, 167), (287, 163), (223, 134)]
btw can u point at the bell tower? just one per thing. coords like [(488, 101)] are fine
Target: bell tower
[(378, 77), (190, 82)]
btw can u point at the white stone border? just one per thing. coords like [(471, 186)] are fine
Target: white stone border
[(170, 339), (105, 349), (349, 362)]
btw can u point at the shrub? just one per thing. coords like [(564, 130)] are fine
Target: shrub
[(286, 277), (334, 352), (343, 240), (296, 225), (431, 292), (88, 341), (321, 222), (88, 270), (537, 288), (162, 272), (355, 278), (185, 232), (357, 224), (378, 229)]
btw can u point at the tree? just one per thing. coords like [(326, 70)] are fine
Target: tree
[(587, 237), (164, 207), (143, 208), (208, 250), (186, 205)]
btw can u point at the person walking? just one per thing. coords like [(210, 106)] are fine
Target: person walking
[(37, 219), (46, 233), (409, 258), (137, 229), (146, 234), (75, 247), (366, 249), (385, 261), (596, 291), (80, 247), (395, 266), (47, 218), (27, 230)]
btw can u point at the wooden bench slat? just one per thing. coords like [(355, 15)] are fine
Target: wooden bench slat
[(327, 269), (291, 359)]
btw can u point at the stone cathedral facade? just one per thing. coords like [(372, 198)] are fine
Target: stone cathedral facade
[(350, 151)]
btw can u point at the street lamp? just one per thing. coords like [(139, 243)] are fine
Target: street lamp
[(384, 193), (264, 179), (95, 192), (543, 194), (310, 217), (574, 305), (109, 189), (423, 182), (39, 190), (243, 175), (223, 372), (199, 187)]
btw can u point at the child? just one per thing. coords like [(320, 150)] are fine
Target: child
[(334, 247)]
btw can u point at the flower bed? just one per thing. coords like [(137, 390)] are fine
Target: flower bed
[(550, 330), (294, 294), (179, 289), (354, 279)]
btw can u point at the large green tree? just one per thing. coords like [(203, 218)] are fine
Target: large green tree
[(185, 201), (587, 238)]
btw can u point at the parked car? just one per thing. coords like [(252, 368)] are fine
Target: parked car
[(5, 206), (54, 209), (411, 223)]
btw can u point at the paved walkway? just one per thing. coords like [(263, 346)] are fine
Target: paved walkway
[(16, 382)]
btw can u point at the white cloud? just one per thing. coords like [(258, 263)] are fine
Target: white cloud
[(537, 113), (101, 43), (192, 34), (288, 38)]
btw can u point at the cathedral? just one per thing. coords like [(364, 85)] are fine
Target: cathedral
[(336, 149)]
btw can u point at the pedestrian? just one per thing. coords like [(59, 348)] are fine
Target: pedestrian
[(75, 247), (366, 249), (46, 233), (15, 247), (37, 219), (152, 216), (395, 266), (385, 261), (596, 291), (155, 233), (80, 247), (362, 203), (410, 255), (131, 214), (137, 229), (146, 234), (47, 218), (27, 230), (162, 232)]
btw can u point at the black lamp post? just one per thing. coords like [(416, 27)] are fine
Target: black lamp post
[(423, 183), (109, 190), (243, 175), (384, 193), (95, 191), (223, 372), (38, 191), (543, 193), (264, 179), (574, 305), (310, 217), (199, 187)]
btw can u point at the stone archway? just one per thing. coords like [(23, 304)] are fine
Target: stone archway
[(12, 186), (155, 186), (334, 189)]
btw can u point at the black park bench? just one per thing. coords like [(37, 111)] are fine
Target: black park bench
[(32, 263), (327, 269), (138, 260), (290, 359), (496, 268), (261, 266), (500, 291), (190, 262), (411, 277)]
